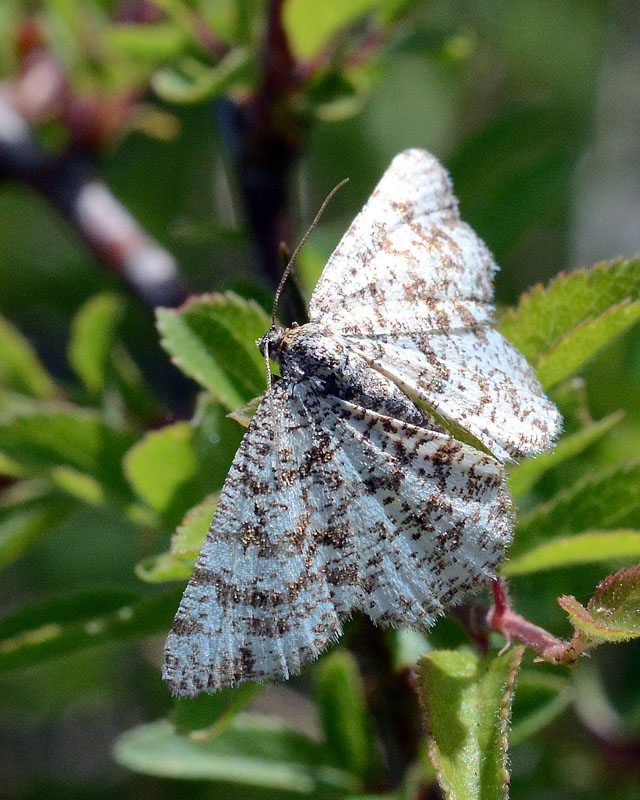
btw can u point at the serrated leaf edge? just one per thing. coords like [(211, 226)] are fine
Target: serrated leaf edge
[(543, 508), (621, 574), (191, 513), (211, 298), (511, 314), (585, 323)]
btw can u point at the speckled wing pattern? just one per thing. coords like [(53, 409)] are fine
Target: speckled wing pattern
[(409, 288), (347, 493), (366, 512)]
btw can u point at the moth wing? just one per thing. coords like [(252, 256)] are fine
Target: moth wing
[(407, 259), (473, 377), (260, 603), (409, 288), (342, 508), (430, 516)]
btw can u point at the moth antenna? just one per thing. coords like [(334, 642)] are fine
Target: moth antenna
[(301, 244), (268, 368)]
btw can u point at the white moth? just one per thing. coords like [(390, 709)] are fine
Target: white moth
[(349, 491)]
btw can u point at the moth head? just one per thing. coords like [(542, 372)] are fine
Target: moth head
[(271, 343)]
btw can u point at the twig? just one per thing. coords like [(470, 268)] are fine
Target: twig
[(503, 619), (391, 699), (70, 183), (263, 136)]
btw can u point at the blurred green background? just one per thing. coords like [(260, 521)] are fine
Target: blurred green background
[(533, 105)]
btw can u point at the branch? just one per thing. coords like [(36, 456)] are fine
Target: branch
[(503, 619), (71, 185), (391, 698), (264, 136)]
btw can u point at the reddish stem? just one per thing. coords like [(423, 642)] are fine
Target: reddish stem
[(503, 619)]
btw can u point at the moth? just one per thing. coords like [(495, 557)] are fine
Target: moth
[(371, 476)]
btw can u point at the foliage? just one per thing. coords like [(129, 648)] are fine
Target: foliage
[(612, 613), (468, 702), (213, 340), (111, 459)]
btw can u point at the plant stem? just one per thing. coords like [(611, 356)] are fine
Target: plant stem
[(503, 619), (71, 184), (391, 699), (264, 137)]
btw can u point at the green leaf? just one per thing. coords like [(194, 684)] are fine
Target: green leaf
[(390, 10), (181, 15), (592, 697), (65, 609), (174, 467), (69, 446), (131, 385), (310, 24), (207, 715), (245, 414), (613, 613), (581, 548), (197, 83), (102, 363), (539, 700), (20, 367), (337, 95), (228, 18), (606, 501), (28, 512), (92, 335), (574, 316), (161, 463), (252, 751), (213, 339), (164, 568), (9, 468), (152, 43), (53, 628), (340, 698), (177, 563), (190, 534), (525, 475), (573, 403), (467, 700), (309, 267), (407, 647), (206, 232), (575, 348), (545, 314)]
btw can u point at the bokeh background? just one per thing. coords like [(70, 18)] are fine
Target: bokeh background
[(533, 105)]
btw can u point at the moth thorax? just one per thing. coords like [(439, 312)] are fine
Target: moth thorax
[(311, 350)]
